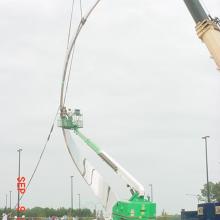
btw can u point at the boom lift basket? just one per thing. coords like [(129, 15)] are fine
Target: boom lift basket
[(69, 120)]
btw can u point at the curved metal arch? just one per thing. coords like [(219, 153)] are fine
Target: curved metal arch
[(70, 49), (91, 176)]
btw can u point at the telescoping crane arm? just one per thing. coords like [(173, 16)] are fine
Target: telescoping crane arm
[(207, 28)]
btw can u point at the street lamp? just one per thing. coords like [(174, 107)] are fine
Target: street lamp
[(151, 192), (71, 178), (79, 202), (207, 169), (10, 198), (19, 174), (6, 201)]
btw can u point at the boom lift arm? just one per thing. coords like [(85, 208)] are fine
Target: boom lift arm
[(137, 207), (207, 28), (74, 122), (132, 183)]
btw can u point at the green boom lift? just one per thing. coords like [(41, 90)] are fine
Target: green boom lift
[(137, 207)]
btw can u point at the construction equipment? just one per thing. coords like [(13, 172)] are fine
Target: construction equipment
[(137, 207), (207, 28)]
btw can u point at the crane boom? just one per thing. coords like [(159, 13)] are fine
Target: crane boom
[(207, 28)]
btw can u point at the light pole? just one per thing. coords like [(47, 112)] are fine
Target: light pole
[(6, 201), (95, 212), (71, 178), (207, 168), (19, 174), (79, 202), (151, 192), (10, 198)]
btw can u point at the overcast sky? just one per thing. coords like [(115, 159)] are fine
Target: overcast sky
[(145, 83)]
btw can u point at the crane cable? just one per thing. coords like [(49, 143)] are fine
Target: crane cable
[(42, 152), (39, 160), (81, 11), (70, 24), (68, 40), (70, 50), (80, 25)]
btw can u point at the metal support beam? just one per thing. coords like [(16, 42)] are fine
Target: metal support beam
[(71, 178), (207, 168), (19, 174)]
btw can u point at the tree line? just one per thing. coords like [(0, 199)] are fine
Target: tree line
[(46, 212), (59, 212)]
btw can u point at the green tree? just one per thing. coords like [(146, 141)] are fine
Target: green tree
[(46, 212), (214, 189)]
